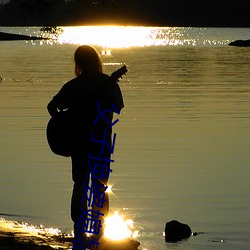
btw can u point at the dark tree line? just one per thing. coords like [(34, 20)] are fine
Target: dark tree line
[(59, 12), (126, 12), (36, 6)]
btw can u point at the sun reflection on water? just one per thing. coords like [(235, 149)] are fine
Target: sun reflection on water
[(110, 37), (107, 36), (116, 228)]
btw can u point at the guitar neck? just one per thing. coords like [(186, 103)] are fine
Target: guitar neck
[(119, 73)]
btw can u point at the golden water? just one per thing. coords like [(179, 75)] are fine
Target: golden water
[(182, 147)]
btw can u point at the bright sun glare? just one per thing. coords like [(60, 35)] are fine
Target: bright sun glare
[(106, 36), (116, 228)]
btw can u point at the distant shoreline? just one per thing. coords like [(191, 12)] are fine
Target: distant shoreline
[(16, 37)]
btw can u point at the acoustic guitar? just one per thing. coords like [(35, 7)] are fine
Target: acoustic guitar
[(59, 128)]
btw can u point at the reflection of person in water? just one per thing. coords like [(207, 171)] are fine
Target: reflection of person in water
[(80, 96)]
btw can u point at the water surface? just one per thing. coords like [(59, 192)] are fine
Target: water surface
[(183, 140)]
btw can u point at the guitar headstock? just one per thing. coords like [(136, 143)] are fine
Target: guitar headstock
[(119, 73)]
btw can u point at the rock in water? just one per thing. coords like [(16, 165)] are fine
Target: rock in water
[(240, 43), (176, 231)]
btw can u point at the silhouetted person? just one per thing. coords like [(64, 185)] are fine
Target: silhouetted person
[(81, 96)]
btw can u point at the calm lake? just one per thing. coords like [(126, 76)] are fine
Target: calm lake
[(182, 140)]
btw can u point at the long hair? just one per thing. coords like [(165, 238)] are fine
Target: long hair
[(87, 60)]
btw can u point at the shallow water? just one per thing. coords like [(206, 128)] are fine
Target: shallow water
[(182, 147)]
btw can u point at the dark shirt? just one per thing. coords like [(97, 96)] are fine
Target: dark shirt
[(80, 96)]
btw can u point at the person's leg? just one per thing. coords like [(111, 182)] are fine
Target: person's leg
[(78, 205), (101, 195), (80, 170), (101, 201)]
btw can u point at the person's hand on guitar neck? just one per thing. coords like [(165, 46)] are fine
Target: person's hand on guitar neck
[(52, 108)]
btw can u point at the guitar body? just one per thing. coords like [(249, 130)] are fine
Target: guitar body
[(61, 129), (59, 133)]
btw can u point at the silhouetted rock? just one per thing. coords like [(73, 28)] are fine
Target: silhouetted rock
[(240, 43), (176, 231), (12, 37)]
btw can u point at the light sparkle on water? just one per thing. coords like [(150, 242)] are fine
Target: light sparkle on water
[(122, 36), (135, 36), (116, 228)]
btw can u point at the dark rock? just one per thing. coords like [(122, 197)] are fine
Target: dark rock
[(176, 231), (197, 233), (14, 37), (240, 43)]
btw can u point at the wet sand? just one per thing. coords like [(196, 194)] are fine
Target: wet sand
[(9, 241), (15, 236)]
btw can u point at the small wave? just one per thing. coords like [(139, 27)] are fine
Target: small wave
[(15, 215)]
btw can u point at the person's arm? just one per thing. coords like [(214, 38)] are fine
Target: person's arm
[(61, 100), (52, 108)]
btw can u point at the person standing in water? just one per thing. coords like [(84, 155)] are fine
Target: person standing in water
[(85, 96)]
